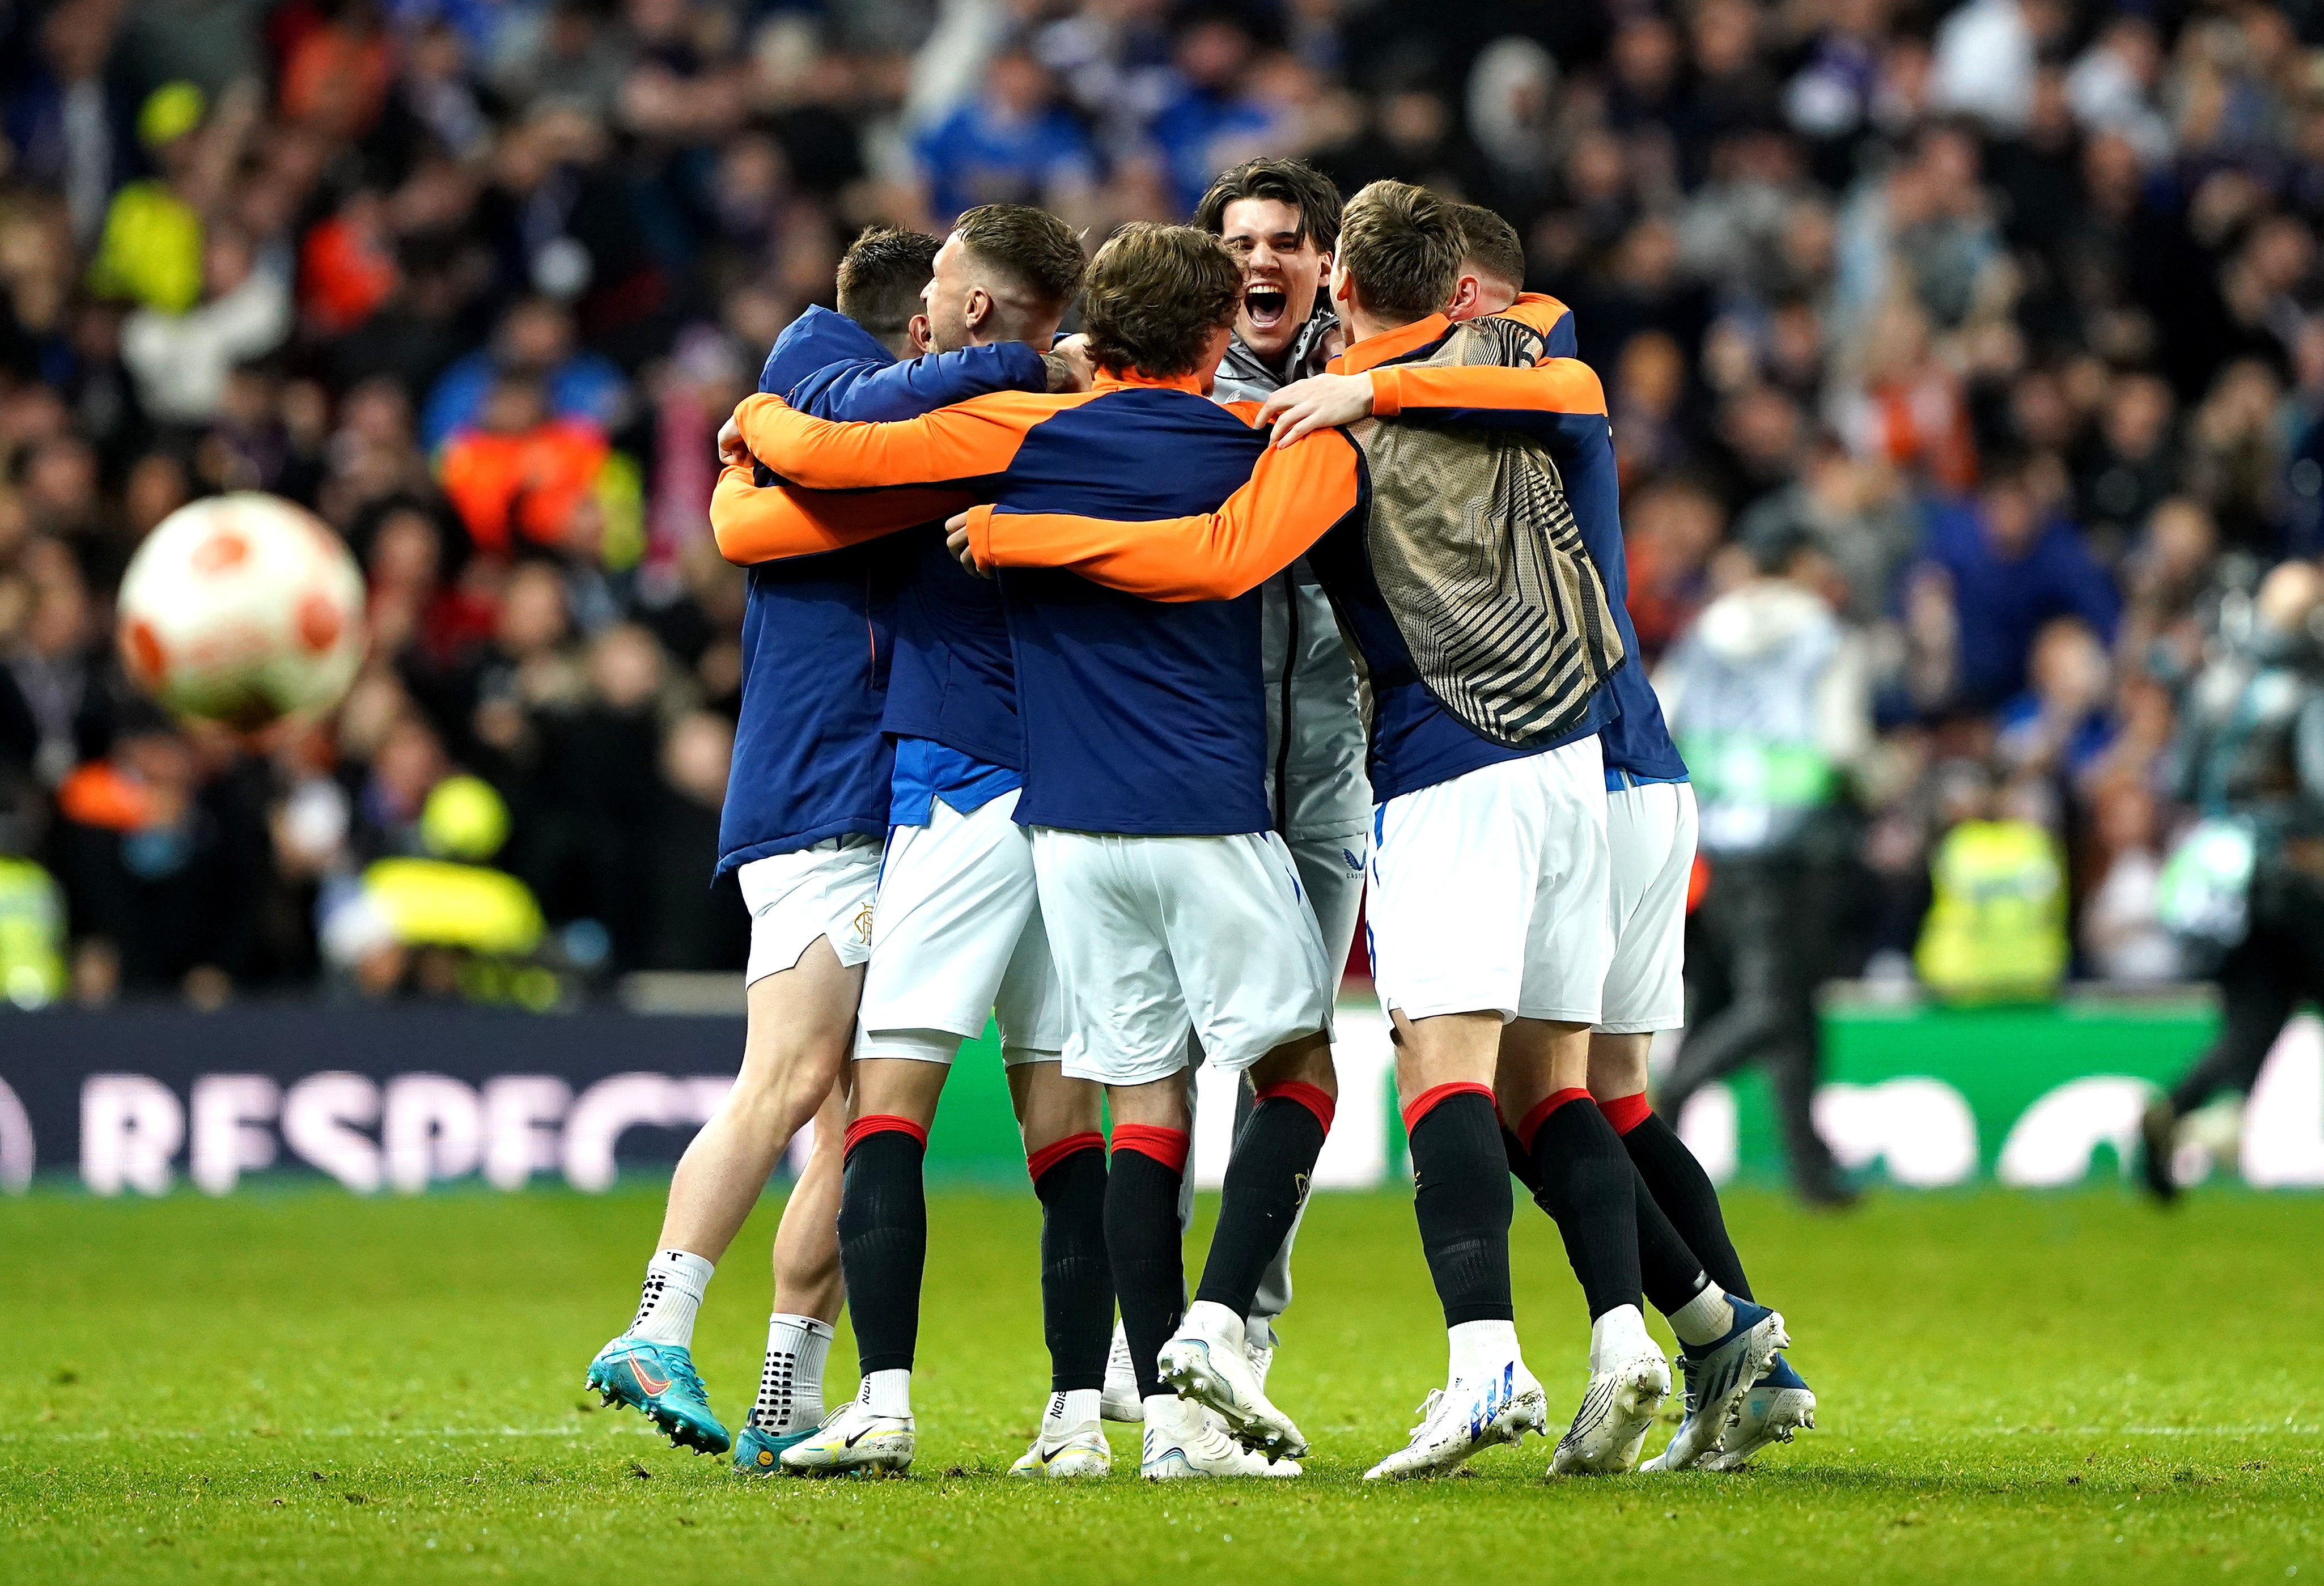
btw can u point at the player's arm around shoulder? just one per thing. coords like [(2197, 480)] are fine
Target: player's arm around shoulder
[(755, 523), (1296, 495), (972, 440)]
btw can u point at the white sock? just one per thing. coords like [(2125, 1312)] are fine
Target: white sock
[(1075, 1407), (1211, 1320), (790, 1385), (887, 1393), (1618, 1336), (1480, 1348), (1169, 1416), (1705, 1319), (673, 1292)]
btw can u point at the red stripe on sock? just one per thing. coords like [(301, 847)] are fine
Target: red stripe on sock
[(1315, 1098), (1056, 1151), (1626, 1112), (1166, 1145), (1541, 1110), (1420, 1106), (865, 1127)]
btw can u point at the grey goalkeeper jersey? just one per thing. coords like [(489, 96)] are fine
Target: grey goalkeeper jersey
[(1315, 719)]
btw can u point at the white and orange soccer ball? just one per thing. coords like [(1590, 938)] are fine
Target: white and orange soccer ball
[(242, 609)]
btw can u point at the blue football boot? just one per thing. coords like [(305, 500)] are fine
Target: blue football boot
[(1778, 1405), (1718, 1377), (660, 1379), (760, 1452)]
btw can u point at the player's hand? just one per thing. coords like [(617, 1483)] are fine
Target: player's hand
[(956, 542), (1072, 365), (731, 452), (1317, 403)]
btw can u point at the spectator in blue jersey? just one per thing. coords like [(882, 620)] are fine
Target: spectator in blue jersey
[(535, 339), (1013, 144), (1212, 120), (2012, 570)]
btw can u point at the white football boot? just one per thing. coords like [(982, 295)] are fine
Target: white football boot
[(1455, 1421), (1778, 1405), (1207, 1361), (1718, 1377), (1184, 1440), (1065, 1446), (1628, 1380), (851, 1438)]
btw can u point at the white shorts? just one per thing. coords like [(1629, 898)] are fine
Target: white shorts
[(1156, 936), (960, 934), (824, 890), (1650, 835), (1488, 891), (1331, 874)]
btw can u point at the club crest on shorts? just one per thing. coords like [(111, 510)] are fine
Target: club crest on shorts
[(862, 926)]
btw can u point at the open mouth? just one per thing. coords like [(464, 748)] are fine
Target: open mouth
[(1265, 306)]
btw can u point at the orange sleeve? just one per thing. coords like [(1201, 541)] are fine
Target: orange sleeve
[(969, 441), (1486, 393), (1535, 311), (770, 523), (1293, 498)]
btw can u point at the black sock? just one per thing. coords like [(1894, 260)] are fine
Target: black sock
[(1141, 1243), (1076, 1283), (1588, 1184), (1684, 1192), (1267, 1180), (1462, 1198), (884, 1245), (1667, 1269), (1521, 1163)]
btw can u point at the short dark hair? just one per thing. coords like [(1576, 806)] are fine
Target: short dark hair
[(1032, 247), (1491, 242), (1156, 294), (1286, 181), (1402, 246), (880, 277)]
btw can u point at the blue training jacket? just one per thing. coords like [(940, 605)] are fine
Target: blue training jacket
[(810, 760)]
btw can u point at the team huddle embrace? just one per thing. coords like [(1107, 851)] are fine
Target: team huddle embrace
[(1091, 687)]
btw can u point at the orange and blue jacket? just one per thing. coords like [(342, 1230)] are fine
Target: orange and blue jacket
[(1140, 716), (1311, 498)]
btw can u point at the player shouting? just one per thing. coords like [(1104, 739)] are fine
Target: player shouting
[(1487, 654), (1172, 905), (808, 800)]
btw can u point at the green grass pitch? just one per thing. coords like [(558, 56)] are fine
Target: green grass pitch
[(294, 1384)]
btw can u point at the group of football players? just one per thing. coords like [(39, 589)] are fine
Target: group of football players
[(1092, 685)]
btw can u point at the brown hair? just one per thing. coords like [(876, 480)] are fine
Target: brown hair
[(1491, 243), (1156, 294), (1035, 249), (880, 277), (1402, 247), (1286, 181)]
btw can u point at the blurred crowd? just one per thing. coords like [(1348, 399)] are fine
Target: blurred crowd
[(2004, 309)]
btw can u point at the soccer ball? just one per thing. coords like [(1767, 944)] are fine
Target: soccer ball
[(242, 609)]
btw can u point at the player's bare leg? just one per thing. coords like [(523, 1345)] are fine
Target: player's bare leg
[(1445, 1069), (808, 1294), (802, 1022)]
